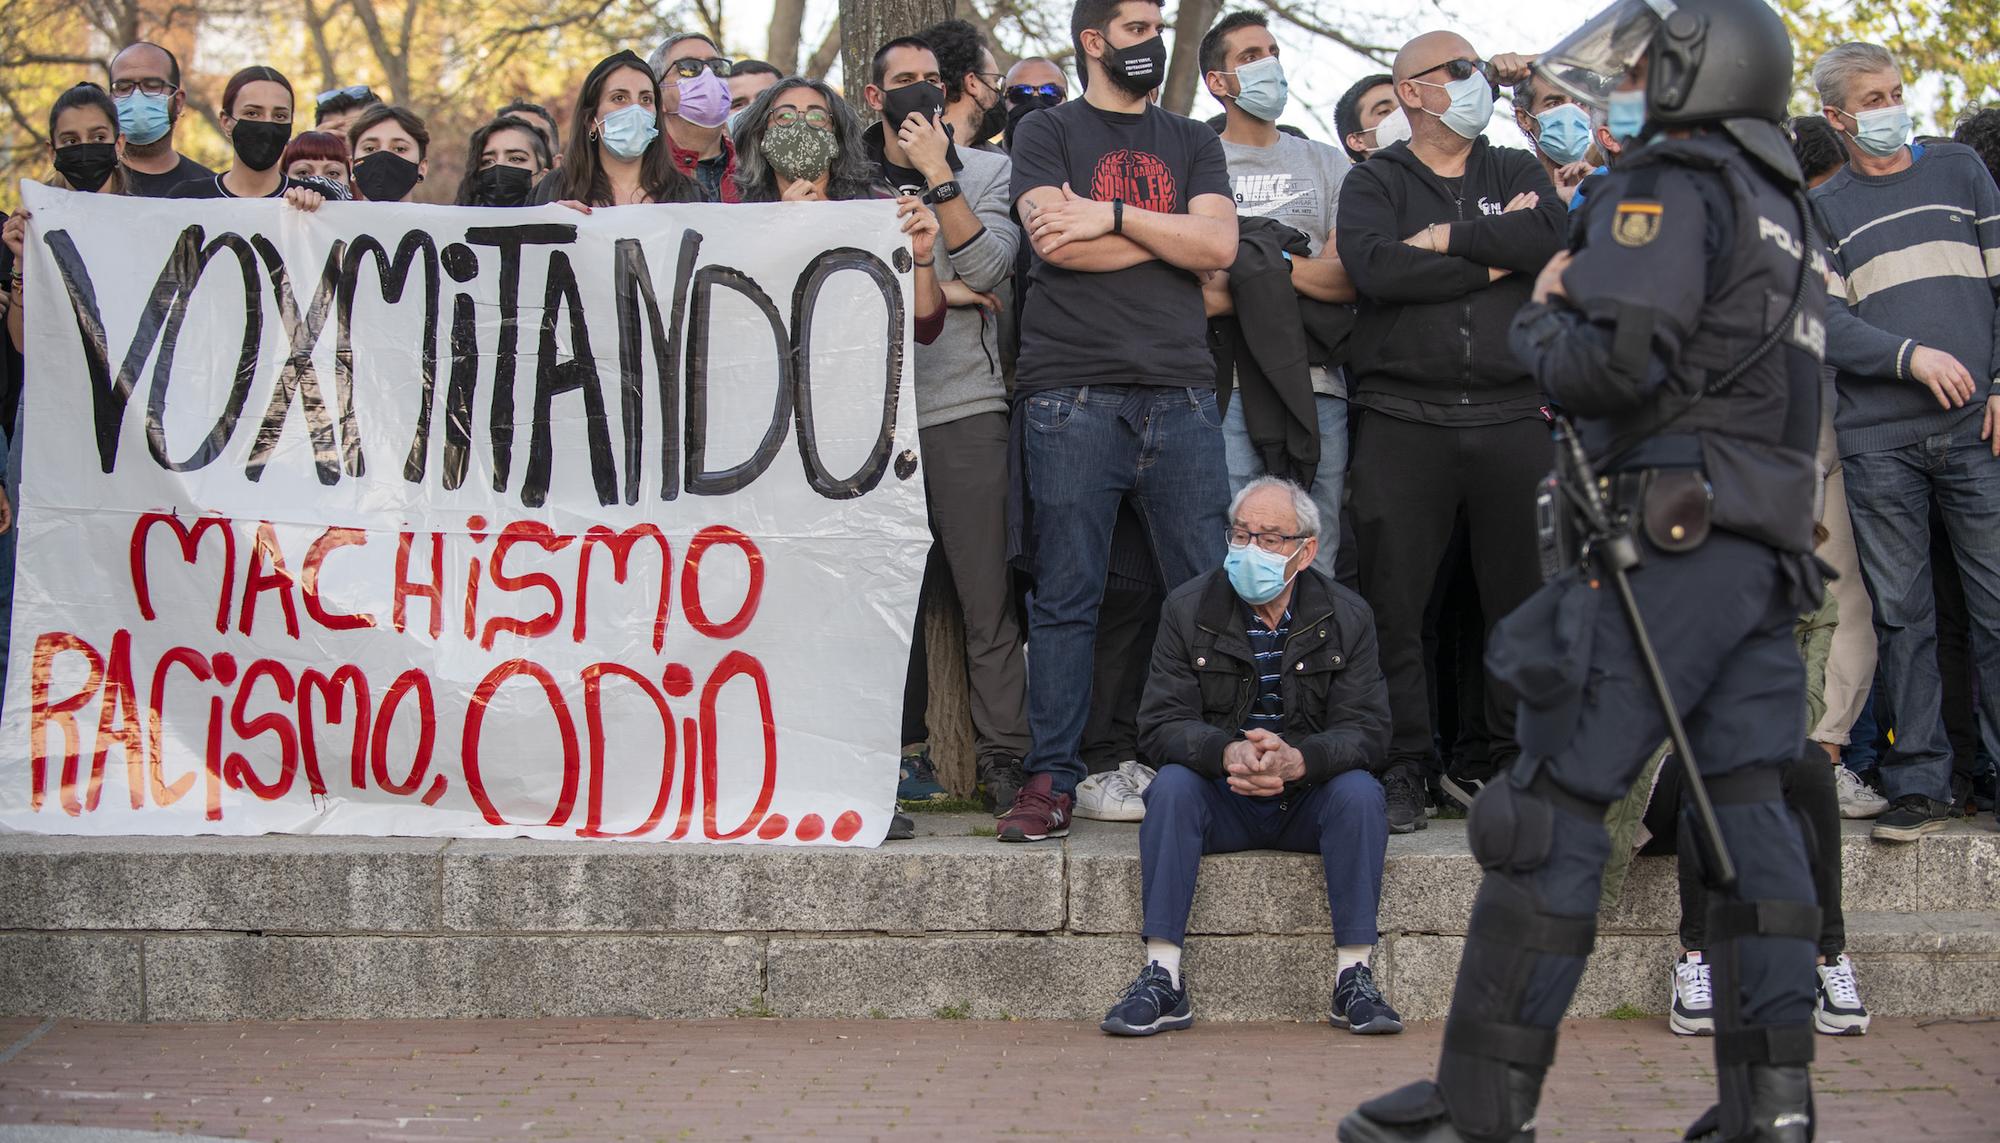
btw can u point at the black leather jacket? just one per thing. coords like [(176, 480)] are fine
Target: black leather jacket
[(1204, 679)]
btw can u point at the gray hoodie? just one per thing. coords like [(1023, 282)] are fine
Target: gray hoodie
[(958, 375)]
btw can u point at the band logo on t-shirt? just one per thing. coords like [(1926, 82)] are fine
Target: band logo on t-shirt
[(1141, 178)]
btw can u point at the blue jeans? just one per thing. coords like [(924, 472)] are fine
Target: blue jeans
[(1245, 466), (1344, 821), (1889, 495), (1088, 448)]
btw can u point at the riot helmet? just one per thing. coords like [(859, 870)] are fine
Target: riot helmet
[(1708, 60)]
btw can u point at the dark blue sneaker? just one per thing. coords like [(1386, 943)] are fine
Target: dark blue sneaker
[(1152, 1004), (1358, 1005), (917, 780)]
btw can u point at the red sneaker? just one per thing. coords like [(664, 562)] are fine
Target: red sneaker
[(1039, 812)]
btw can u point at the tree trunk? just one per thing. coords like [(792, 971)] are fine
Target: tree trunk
[(788, 23), (949, 715), (1191, 19), (867, 24)]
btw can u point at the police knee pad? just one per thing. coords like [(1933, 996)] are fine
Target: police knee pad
[(1516, 976), (1510, 829)]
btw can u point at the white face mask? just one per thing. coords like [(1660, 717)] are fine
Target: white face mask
[(1394, 128)]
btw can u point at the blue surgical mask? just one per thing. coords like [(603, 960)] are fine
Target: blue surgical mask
[(1263, 89), (1471, 105), (1881, 132), (1625, 115), (143, 118), (1257, 575), (1565, 133), (628, 131)]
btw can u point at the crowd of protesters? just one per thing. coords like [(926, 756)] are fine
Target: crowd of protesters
[(1223, 425)]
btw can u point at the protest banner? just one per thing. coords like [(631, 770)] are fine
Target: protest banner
[(445, 521)]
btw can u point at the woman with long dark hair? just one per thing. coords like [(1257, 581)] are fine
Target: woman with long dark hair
[(503, 161), (615, 155), (801, 142)]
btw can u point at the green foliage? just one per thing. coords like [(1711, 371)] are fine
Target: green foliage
[(1957, 44), (959, 1011), (1628, 1012)]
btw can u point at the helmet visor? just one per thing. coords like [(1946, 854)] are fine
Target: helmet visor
[(1590, 61)]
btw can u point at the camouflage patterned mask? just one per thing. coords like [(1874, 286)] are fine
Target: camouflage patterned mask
[(800, 150)]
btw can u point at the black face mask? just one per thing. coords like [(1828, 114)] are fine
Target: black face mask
[(501, 186), (1021, 109), (990, 122), (385, 176), (1139, 68), (898, 104), (85, 166), (259, 144)]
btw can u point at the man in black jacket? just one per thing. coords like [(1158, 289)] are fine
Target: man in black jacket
[(1443, 236), (1266, 715)]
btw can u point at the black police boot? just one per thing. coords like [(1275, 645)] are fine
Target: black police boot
[(1415, 1113), (1780, 1109)]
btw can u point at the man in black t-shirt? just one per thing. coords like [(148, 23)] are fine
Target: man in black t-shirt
[(1126, 205), (146, 84)]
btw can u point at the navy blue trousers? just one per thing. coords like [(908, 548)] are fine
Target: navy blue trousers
[(1187, 815)]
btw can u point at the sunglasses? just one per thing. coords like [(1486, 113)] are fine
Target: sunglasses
[(1023, 91), (359, 91), (690, 67), (1462, 69)]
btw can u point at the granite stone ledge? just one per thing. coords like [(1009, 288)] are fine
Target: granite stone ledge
[(233, 884), (206, 978), (936, 884), (1958, 870), (1428, 882), (1032, 977), (85, 976)]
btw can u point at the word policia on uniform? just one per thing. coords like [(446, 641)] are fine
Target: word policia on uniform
[(252, 622)]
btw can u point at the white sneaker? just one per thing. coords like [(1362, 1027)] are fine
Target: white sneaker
[(1141, 774), (1837, 1007), (1693, 1012), (1109, 797), (1857, 798)]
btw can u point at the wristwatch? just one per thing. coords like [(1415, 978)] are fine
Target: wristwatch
[(942, 193)]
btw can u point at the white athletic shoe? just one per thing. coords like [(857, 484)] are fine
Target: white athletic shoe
[(1837, 1007), (1110, 797), (1857, 798), (1141, 774), (1693, 1012)]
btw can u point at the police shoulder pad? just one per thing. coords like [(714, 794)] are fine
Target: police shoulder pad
[(1637, 219)]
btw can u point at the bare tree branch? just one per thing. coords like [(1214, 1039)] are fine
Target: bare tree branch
[(782, 40), (1381, 53)]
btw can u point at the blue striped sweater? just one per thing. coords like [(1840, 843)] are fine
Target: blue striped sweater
[(1917, 254)]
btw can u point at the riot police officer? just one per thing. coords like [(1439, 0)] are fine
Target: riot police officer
[(1683, 333)]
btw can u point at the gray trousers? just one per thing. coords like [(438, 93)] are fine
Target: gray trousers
[(965, 476)]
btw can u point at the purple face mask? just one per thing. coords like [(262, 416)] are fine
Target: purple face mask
[(704, 100)]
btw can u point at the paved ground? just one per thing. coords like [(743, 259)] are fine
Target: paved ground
[(768, 1079)]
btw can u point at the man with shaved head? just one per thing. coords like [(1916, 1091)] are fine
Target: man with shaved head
[(146, 86), (1443, 235)]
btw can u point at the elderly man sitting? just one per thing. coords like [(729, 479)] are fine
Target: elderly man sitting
[(1266, 713)]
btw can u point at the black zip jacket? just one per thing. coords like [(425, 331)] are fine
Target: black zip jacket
[(1204, 679), (1433, 327)]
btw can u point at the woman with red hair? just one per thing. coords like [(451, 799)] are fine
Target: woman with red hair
[(322, 156)]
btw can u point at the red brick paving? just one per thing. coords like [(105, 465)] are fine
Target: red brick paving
[(768, 1079)]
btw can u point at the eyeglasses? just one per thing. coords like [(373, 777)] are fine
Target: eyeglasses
[(992, 79), (1462, 69), (690, 67), (1024, 91), (120, 88), (359, 93), (1273, 542), (792, 116)]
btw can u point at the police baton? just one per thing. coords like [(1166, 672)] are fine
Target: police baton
[(1610, 546)]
